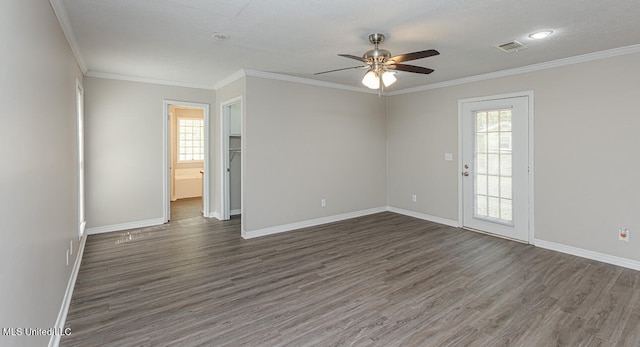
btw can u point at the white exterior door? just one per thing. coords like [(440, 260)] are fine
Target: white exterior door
[(495, 166)]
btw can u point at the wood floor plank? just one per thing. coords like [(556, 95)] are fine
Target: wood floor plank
[(378, 280)]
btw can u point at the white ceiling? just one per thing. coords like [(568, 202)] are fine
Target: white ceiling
[(171, 40)]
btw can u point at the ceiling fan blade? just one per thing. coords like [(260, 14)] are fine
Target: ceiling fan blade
[(413, 56), (346, 68), (353, 57), (410, 68)]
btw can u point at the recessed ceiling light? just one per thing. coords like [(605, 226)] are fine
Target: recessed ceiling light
[(540, 34), (220, 36)]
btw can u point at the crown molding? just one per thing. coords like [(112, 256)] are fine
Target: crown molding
[(288, 78), (302, 80), (112, 76), (232, 78), (61, 13), (228, 80), (503, 73), (525, 69)]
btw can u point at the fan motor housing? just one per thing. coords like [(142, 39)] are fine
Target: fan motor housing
[(376, 55), (379, 55)]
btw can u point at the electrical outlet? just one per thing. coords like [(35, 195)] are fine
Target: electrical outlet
[(414, 198), (323, 203), (623, 234)]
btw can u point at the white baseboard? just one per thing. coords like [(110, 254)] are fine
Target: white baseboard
[(54, 341), (309, 223), (440, 220), (605, 258), (339, 217), (218, 216), (125, 226), (579, 252)]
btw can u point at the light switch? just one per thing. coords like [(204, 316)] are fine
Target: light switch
[(448, 156)]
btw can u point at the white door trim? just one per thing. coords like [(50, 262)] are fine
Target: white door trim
[(225, 204), (530, 95), (166, 156), (82, 218)]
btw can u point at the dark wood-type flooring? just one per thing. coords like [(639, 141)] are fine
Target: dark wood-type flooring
[(379, 280), (186, 209)]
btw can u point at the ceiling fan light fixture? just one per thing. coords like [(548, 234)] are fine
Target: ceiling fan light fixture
[(381, 66), (388, 78), (371, 80)]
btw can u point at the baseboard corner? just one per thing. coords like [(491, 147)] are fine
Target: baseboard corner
[(423, 216), (215, 214)]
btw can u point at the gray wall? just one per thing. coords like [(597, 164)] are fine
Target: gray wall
[(420, 129), (586, 149), (124, 134), (38, 179), (303, 143)]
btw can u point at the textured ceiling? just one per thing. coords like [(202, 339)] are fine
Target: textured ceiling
[(172, 40)]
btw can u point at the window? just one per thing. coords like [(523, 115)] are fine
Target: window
[(190, 139), (493, 155)]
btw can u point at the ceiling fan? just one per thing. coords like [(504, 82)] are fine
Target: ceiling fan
[(382, 66)]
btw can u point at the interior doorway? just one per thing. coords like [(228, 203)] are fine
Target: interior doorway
[(186, 158), (232, 162), (495, 165)]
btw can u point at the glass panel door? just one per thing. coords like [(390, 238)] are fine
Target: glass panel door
[(495, 159)]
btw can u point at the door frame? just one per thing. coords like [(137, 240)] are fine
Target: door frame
[(166, 156), (530, 95), (225, 198), (82, 207)]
